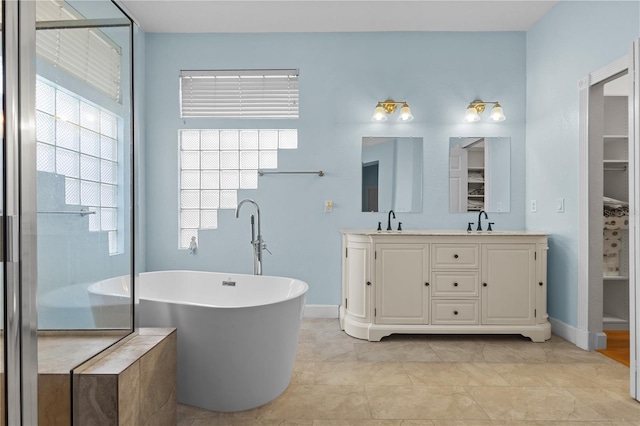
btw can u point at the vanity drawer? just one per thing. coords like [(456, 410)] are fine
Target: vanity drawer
[(454, 312), (455, 256), (455, 284)]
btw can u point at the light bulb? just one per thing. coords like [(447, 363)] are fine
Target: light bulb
[(471, 115), (405, 113), (379, 114), (496, 114)]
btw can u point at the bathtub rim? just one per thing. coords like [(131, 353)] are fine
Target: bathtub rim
[(302, 293)]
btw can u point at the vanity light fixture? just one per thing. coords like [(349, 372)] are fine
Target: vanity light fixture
[(476, 108), (389, 106)]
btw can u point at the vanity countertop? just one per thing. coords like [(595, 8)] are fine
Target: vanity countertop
[(440, 232)]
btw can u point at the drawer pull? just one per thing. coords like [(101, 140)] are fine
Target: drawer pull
[(455, 256), (426, 284), (484, 284), (455, 312), (368, 282), (455, 284), (540, 284)]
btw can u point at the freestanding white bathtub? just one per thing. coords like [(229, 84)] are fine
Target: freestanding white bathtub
[(237, 334)]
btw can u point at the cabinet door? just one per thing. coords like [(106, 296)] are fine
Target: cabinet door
[(400, 280), (508, 289), (357, 295)]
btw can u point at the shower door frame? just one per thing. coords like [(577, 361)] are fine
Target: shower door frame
[(20, 339)]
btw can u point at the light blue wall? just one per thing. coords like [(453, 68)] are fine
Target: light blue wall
[(342, 77), (572, 40)]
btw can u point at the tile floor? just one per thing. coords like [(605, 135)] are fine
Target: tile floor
[(439, 380)]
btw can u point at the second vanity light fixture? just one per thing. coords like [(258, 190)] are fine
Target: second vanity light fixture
[(477, 107), (389, 106)]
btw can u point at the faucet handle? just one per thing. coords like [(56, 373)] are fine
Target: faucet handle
[(399, 226), (264, 247), (469, 227), (379, 226), (489, 228)]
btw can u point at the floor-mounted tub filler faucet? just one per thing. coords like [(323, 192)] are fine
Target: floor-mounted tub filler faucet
[(256, 241)]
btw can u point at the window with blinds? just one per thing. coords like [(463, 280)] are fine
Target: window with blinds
[(85, 53), (239, 93)]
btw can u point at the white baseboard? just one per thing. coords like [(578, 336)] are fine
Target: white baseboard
[(583, 339), (566, 331), (320, 311)]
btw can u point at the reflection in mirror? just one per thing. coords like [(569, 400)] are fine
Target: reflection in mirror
[(479, 174), (391, 174)]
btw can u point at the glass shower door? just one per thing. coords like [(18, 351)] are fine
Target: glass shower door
[(83, 180)]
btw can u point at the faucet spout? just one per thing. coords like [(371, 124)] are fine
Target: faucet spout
[(479, 228), (391, 212), (257, 242)]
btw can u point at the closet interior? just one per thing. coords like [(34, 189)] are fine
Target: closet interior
[(615, 207)]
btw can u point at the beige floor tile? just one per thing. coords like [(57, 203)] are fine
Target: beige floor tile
[(399, 351), (532, 403), (361, 373), (458, 351), (326, 351), (194, 416), (519, 423), (423, 403), (514, 352), (613, 376), (304, 372), (453, 374), (564, 375), (359, 423), (609, 405), (318, 402), (250, 422), (440, 380)]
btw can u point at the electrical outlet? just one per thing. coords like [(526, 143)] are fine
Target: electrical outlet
[(534, 206), (560, 205), (328, 206)]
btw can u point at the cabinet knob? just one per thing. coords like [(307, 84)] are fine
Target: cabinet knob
[(455, 284), (540, 283), (455, 256), (368, 282), (455, 312), (484, 284), (426, 284)]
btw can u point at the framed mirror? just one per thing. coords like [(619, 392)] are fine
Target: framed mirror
[(479, 174), (391, 174)]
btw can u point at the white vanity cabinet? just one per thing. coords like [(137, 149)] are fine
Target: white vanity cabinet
[(444, 282), (401, 293)]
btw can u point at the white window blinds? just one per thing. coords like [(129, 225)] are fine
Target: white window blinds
[(87, 54), (239, 93)]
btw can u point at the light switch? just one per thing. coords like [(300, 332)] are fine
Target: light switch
[(328, 206), (560, 205)]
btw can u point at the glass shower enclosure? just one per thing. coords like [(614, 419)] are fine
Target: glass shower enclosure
[(68, 210)]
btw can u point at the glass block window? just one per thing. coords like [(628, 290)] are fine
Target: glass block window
[(214, 164), (79, 140)]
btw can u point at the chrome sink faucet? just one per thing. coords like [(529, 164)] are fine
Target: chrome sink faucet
[(391, 212), (479, 228), (257, 242)]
